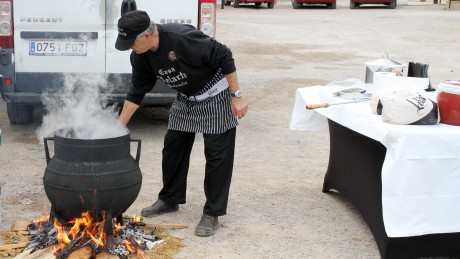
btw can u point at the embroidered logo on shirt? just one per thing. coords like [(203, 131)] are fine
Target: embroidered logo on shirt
[(172, 56), (172, 78)]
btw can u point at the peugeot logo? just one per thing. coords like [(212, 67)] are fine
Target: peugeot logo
[(41, 19)]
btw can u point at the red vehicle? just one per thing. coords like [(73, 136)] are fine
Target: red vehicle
[(236, 4), (329, 3), (356, 3)]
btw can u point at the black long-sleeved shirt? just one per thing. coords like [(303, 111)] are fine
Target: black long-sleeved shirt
[(186, 61)]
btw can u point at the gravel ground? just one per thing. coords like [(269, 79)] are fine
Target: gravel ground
[(276, 207)]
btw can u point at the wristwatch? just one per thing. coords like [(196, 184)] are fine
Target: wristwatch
[(236, 94)]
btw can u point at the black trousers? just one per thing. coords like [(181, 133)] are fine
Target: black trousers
[(219, 150)]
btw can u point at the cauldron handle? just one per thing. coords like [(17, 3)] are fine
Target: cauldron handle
[(138, 154), (47, 152)]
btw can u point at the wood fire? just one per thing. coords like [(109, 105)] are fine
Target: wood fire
[(85, 235)]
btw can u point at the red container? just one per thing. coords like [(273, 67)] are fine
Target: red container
[(449, 102)]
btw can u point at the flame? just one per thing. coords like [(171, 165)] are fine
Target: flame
[(129, 246), (41, 222), (63, 238), (44, 219), (117, 228), (136, 218), (91, 229)]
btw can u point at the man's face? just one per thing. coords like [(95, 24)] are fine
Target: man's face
[(146, 41), (142, 43)]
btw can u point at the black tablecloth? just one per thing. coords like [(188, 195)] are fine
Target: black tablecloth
[(355, 166)]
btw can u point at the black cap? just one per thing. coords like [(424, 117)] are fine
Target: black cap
[(130, 25)]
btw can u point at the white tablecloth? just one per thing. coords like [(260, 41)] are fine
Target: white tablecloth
[(421, 171)]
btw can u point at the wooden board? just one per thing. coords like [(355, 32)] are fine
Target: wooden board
[(46, 253), (82, 253), (178, 226), (19, 225), (106, 255), (13, 246)]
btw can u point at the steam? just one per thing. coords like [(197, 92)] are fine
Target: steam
[(79, 110)]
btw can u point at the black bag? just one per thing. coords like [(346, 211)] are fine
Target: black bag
[(419, 70)]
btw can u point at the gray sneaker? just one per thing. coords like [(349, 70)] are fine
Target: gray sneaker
[(207, 226), (158, 208)]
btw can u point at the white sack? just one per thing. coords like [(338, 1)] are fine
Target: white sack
[(408, 107)]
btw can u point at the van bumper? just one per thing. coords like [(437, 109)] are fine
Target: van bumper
[(150, 99)]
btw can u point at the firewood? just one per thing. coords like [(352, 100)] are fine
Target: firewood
[(140, 253), (81, 253), (13, 246), (46, 253), (149, 225), (19, 225), (106, 255)]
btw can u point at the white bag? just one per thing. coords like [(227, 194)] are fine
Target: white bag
[(406, 106)]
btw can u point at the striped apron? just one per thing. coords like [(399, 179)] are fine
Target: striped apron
[(211, 116)]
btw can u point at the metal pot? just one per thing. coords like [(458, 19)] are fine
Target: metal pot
[(95, 175), (384, 64)]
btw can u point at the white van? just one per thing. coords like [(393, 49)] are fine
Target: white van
[(42, 40)]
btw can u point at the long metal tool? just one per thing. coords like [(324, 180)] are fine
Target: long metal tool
[(325, 105)]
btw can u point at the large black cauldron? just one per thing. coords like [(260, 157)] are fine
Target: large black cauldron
[(95, 175)]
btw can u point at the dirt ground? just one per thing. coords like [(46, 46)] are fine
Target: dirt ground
[(276, 207)]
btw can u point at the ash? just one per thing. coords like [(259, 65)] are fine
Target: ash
[(127, 240)]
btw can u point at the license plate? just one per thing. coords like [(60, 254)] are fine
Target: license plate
[(57, 48)]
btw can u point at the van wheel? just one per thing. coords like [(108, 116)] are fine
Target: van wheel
[(236, 4), (271, 5), (295, 5), (19, 114), (228, 2)]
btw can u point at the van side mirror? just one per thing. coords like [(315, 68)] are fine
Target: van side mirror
[(128, 5)]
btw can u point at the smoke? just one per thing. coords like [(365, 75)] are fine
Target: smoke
[(79, 110)]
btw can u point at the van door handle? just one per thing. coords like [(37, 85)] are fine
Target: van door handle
[(128, 5)]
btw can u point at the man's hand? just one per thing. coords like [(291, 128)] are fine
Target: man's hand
[(126, 113), (239, 107)]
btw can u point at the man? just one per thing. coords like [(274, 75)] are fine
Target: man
[(209, 101)]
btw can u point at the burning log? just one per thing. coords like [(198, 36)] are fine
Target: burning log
[(68, 249), (140, 253), (42, 235), (85, 238)]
